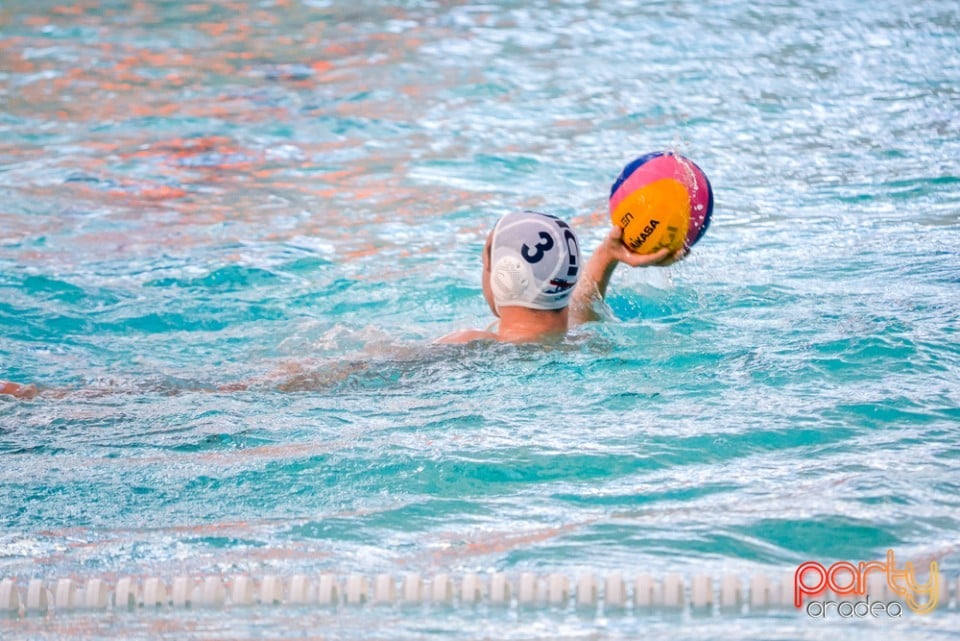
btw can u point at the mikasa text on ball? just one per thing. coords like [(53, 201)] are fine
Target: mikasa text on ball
[(661, 200)]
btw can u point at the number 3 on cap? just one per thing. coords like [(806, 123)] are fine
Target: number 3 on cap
[(545, 246)]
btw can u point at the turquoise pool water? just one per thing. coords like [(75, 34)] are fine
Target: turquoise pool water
[(295, 195)]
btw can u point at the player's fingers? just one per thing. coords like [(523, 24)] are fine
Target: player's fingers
[(675, 257), (645, 260)]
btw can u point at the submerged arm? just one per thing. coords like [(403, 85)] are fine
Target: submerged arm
[(17, 390)]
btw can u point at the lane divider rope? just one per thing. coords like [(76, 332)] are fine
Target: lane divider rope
[(612, 593)]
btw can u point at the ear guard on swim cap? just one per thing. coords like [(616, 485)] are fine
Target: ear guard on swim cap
[(535, 261), (509, 279)]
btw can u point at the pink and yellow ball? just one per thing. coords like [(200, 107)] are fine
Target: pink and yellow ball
[(661, 200)]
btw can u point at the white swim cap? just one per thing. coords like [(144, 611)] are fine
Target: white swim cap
[(534, 261)]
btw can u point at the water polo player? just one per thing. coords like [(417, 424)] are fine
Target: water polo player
[(536, 282), (534, 277)]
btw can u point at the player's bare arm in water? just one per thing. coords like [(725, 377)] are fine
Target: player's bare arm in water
[(592, 287), (17, 390)]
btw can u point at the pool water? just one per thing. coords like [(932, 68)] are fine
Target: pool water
[(290, 198)]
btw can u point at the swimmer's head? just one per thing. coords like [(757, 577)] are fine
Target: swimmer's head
[(532, 260)]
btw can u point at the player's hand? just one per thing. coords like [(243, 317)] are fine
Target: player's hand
[(613, 245)]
